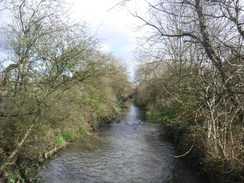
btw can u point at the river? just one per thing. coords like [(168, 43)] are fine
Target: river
[(129, 151)]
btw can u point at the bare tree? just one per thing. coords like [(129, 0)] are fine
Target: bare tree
[(206, 39)]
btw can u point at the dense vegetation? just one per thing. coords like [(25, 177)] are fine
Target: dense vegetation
[(191, 80), (55, 85)]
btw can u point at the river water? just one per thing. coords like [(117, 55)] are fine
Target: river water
[(129, 151)]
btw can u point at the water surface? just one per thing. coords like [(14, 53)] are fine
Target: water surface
[(129, 151)]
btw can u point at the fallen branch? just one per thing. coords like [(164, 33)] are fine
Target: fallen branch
[(48, 154), (182, 155), (9, 160)]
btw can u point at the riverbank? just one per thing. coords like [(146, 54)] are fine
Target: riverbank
[(28, 161), (130, 151), (192, 146)]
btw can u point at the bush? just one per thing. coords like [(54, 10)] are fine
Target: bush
[(64, 137)]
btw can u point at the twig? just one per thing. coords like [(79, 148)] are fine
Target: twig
[(182, 155)]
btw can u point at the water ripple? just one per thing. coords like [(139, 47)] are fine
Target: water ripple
[(132, 151)]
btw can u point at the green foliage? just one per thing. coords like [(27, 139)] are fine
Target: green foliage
[(16, 178), (64, 137), (168, 113), (60, 140), (160, 117), (59, 85)]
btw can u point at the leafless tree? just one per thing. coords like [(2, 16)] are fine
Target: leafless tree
[(209, 36)]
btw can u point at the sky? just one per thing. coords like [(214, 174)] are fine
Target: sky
[(113, 25)]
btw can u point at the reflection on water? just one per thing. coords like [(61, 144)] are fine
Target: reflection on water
[(131, 151)]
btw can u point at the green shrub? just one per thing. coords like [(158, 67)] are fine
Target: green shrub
[(160, 117), (83, 131), (64, 137), (16, 178)]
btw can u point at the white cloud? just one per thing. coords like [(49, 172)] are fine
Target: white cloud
[(114, 27)]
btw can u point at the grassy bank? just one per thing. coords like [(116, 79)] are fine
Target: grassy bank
[(191, 142)]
